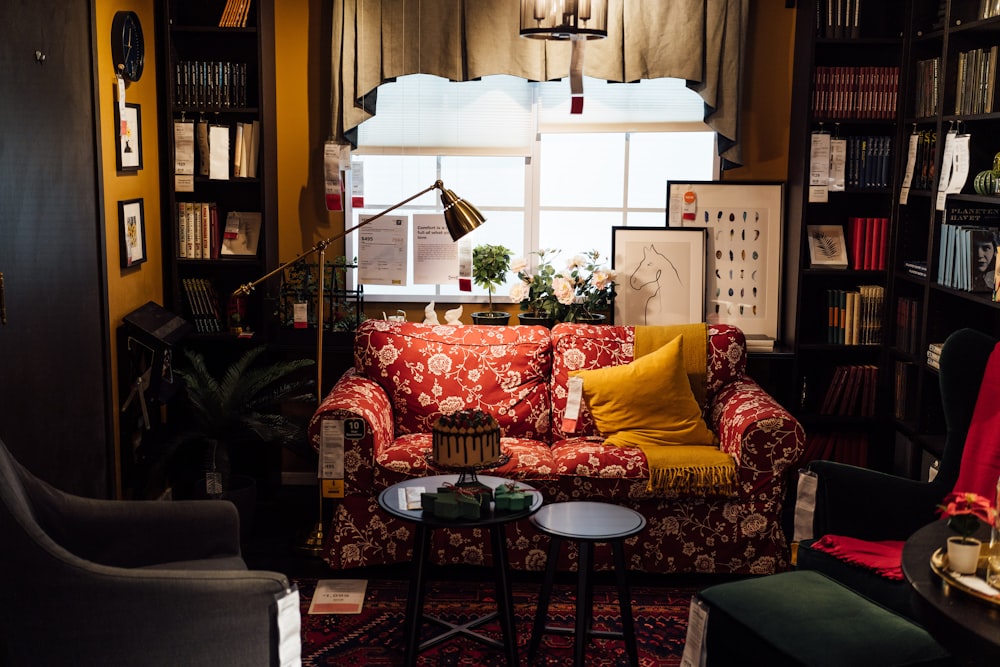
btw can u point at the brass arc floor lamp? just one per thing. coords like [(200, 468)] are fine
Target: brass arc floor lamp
[(460, 216)]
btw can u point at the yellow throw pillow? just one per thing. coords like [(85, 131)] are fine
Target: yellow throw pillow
[(647, 402)]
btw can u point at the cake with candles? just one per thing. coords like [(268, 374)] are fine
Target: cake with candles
[(466, 439)]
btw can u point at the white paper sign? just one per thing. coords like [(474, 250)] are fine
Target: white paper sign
[(435, 255), (331, 449), (289, 628), (382, 250), (183, 147), (911, 161), (218, 146)]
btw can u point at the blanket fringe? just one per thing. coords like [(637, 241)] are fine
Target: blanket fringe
[(716, 480)]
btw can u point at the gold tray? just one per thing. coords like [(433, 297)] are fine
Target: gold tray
[(939, 564)]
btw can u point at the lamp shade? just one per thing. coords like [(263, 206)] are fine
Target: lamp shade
[(564, 19), (460, 216)]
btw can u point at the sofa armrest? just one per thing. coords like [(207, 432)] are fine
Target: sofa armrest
[(761, 435), (357, 396)]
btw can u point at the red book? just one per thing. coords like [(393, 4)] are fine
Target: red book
[(883, 243), (857, 226), (869, 251)]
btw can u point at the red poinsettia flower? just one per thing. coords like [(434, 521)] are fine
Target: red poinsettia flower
[(965, 511)]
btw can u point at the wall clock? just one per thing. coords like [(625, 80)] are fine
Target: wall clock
[(128, 50)]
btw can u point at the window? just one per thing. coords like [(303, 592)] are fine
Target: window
[(542, 178)]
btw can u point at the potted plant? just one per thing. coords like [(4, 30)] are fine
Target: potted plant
[(490, 264), (536, 291), (593, 288), (965, 512), (238, 410)]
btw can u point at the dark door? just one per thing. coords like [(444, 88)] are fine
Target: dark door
[(54, 347)]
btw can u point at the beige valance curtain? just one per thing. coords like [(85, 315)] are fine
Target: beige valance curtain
[(374, 41)]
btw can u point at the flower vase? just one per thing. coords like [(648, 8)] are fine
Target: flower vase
[(963, 554), (536, 320)]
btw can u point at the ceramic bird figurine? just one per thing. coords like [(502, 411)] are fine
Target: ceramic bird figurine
[(453, 316), (430, 315)]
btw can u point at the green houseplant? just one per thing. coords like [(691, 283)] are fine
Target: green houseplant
[(490, 264), (240, 409)]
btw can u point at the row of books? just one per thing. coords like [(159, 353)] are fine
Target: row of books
[(849, 448), (213, 84), (927, 85), (915, 267), (924, 170), (855, 317), (235, 14), (203, 304), (246, 149), (975, 81), (199, 237), (852, 391), (869, 239), (869, 162), (838, 19), (988, 9), (864, 92), (907, 324), (967, 257)]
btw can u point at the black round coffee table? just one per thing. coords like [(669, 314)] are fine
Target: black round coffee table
[(389, 500), (586, 523)]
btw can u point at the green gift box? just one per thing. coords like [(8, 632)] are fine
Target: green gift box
[(469, 506), (446, 506), (508, 498), (427, 501)]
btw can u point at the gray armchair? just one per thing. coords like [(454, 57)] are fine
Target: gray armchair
[(105, 582)]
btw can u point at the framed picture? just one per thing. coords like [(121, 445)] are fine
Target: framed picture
[(132, 233), (827, 246), (128, 130), (660, 275), (743, 223)]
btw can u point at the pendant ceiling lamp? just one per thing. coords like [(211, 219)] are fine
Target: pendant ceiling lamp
[(573, 20)]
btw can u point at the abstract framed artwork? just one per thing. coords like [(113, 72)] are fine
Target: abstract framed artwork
[(660, 275), (128, 130), (132, 233), (743, 223)]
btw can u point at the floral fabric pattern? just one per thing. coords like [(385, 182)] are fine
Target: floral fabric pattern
[(725, 535)]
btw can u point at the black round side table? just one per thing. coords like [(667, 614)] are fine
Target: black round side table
[(586, 523)]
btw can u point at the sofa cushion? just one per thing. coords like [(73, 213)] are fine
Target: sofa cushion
[(430, 370), (407, 456), (646, 403)]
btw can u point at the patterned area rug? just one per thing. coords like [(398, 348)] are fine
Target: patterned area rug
[(375, 636)]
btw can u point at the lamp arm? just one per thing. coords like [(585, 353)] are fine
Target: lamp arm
[(321, 245)]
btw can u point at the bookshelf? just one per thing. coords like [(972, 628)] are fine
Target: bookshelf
[(946, 55), (846, 90), (220, 181)]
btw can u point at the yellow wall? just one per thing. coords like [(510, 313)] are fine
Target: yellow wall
[(129, 288)]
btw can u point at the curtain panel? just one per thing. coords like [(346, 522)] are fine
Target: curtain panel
[(375, 41)]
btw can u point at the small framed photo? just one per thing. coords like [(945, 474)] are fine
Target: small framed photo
[(661, 275), (827, 246), (128, 130), (132, 233)]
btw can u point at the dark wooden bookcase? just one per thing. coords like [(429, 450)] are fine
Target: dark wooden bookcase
[(923, 38), (189, 32)]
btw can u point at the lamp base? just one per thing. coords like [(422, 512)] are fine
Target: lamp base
[(312, 543)]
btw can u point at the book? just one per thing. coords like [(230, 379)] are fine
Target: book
[(827, 246)]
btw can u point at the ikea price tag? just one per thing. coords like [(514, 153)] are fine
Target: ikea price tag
[(331, 449), (300, 315), (694, 644), (333, 186), (289, 623), (573, 400)]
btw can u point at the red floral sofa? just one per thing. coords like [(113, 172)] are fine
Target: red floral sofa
[(406, 374)]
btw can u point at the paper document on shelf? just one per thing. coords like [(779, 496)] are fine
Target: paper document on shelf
[(947, 162), (959, 164), (339, 596), (218, 147), (183, 147), (382, 251), (838, 164), (819, 167), (911, 161)]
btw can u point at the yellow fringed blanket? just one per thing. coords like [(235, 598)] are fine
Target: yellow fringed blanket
[(654, 403)]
